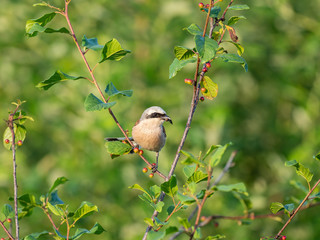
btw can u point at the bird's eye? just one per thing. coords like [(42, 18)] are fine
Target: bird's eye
[(156, 115)]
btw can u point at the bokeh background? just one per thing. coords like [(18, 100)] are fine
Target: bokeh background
[(271, 114)]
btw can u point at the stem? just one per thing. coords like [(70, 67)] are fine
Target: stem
[(50, 218), (6, 230), (298, 208)]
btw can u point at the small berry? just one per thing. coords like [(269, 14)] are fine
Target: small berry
[(6, 141), (207, 5), (124, 141), (202, 98), (204, 90), (145, 170), (2, 239), (208, 65), (203, 218), (136, 150), (201, 5), (150, 167), (188, 81), (153, 164), (216, 224), (151, 175), (283, 238), (204, 69), (140, 152), (20, 143), (9, 220)]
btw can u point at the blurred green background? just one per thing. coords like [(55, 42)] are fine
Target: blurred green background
[(271, 114)]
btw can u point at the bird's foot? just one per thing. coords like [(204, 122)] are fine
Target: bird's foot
[(154, 167)]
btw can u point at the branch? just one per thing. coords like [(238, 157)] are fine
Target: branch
[(297, 210), (6, 230)]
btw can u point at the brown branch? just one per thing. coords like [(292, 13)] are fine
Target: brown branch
[(50, 218), (297, 209), (7, 231)]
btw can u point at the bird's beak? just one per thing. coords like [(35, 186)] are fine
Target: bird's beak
[(167, 119)]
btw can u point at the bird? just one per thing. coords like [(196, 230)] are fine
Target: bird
[(149, 132)]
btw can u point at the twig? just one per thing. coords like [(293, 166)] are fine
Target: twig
[(296, 210), (6, 230)]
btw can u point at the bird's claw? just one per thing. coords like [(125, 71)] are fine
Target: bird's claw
[(154, 167)]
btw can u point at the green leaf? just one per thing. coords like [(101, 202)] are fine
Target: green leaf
[(185, 223), (197, 233), (27, 200), (34, 26), (189, 170), (58, 182), (237, 187), (190, 158), (216, 157), (54, 198), (159, 235), (212, 88), (210, 150), (138, 187), (57, 77), (20, 134), (96, 229), (194, 29), (149, 221), (177, 65), (276, 207), (206, 47), (186, 200), (7, 211), (214, 11), (117, 148), (218, 236), (35, 236), (158, 206), (317, 157), (197, 177), (299, 186), (159, 222), (240, 49), (56, 209), (171, 229), (91, 43), (112, 91), (234, 58), (112, 50), (183, 53), (92, 103), (170, 187), (235, 19), (239, 7), (300, 170), (84, 210)]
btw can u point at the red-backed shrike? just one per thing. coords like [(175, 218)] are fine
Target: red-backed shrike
[(148, 132)]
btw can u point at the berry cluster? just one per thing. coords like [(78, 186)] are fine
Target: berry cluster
[(19, 143), (202, 6)]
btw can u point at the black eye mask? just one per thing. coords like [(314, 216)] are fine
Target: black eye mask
[(156, 115)]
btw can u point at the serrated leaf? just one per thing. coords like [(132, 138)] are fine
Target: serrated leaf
[(239, 7), (206, 47), (233, 20), (183, 53), (218, 236), (159, 222), (58, 182), (232, 33), (20, 134), (158, 206), (171, 229), (33, 26), (210, 150), (234, 58), (92, 103), (117, 148), (197, 233), (149, 221), (27, 200), (138, 187), (185, 223), (54, 198), (190, 158), (276, 207), (170, 187), (197, 177), (35, 236), (91, 43), (7, 210), (194, 29), (177, 65), (189, 170), (170, 209), (85, 209), (214, 11), (57, 77), (56, 209), (237, 187), (240, 49), (300, 170), (212, 88), (112, 50), (155, 191), (96, 229), (216, 157), (112, 91), (186, 200)]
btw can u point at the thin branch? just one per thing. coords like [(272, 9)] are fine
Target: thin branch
[(6, 230), (297, 210)]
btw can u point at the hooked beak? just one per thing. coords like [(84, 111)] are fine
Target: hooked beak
[(167, 119)]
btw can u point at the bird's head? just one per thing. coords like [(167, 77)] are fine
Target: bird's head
[(155, 112)]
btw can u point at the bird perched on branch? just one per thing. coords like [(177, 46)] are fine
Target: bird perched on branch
[(148, 132)]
